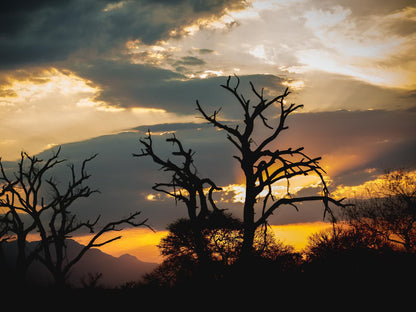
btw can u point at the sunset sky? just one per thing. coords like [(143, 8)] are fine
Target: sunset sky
[(94, 75)]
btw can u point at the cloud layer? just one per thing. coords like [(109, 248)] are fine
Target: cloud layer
[(360, 148)]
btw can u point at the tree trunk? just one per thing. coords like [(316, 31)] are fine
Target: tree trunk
[(200, 248), (248, 240), (21, 263), (248, 224), (248, 218), (59, 279)]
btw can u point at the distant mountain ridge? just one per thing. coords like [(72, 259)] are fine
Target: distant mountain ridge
[(115, 271)]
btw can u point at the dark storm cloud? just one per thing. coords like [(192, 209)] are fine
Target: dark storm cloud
[(189, 61), (39, 32), (205, 51), (138, 85)]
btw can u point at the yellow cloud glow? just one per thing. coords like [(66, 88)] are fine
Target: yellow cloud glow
[(144, 110), (45, 107), (150, 54), (279, 189), (368, 188), (294, 84)]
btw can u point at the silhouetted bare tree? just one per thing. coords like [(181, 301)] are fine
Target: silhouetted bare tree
[(185, 186), (264, 164), (22, 206), (31, 202)]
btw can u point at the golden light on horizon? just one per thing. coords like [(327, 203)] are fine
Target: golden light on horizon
[(297, 234), (139, 242), (142, 243)]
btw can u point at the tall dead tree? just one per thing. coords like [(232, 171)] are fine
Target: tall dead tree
[(22, 206), (32, 202), (185, 186), (262, 162)]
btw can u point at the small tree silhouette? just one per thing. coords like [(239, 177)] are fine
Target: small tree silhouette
[(27, 209), (223, 238), (262, 163), (185, 186), (387, 210)]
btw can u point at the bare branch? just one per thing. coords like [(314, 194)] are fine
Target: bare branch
[(262, 166), (185, 184), (292, 201), (111, 226), (213, 120)]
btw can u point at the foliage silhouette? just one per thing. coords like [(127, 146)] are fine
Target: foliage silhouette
[(223, 238), (354, 256), (387, 210)]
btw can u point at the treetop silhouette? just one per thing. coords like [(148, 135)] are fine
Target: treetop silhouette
[(31, 201), (262, 163)]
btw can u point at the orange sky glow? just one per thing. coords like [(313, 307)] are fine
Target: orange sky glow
[(142, 243)]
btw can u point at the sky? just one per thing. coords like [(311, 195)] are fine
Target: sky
[(94, 76)]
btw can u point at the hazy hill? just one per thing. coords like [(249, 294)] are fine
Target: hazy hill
[(115, 271)]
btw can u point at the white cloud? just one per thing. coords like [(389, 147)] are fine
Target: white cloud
[(357, 47), (300, 37)]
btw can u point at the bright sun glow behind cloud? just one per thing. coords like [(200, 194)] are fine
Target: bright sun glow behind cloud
[(370, 188), (279, 190), (363, 52), (330, 39), (52, 107)]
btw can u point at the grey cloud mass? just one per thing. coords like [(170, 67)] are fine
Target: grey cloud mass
[(41, 32), (125, 181), (137, 85), (328, 92)]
